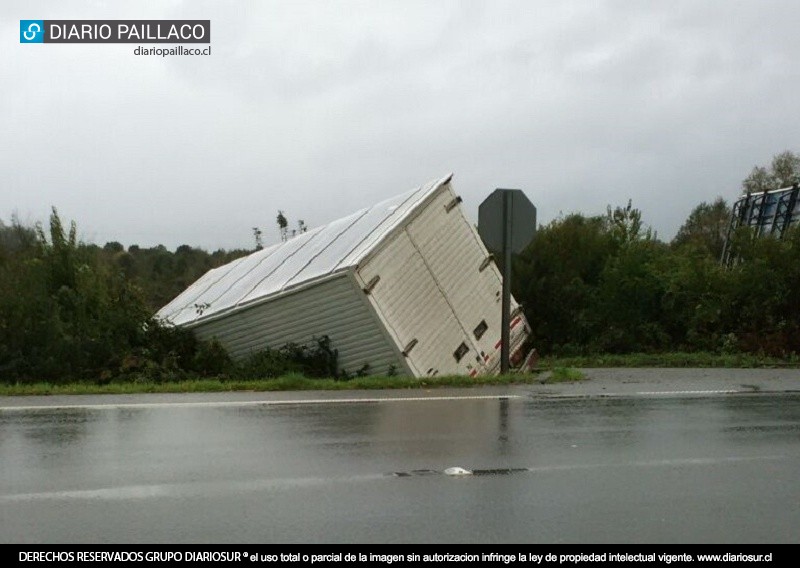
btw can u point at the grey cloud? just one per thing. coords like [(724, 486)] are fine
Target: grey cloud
[(322, 108)]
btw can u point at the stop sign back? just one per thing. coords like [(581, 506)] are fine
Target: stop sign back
[(522, 218)]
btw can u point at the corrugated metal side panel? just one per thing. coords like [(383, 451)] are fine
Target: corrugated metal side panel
[(454, 252), (334, 308), (413, 307)]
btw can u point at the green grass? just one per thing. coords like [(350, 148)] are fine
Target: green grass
[(564, 375), (291, 382), (563, 369), (738, 360)]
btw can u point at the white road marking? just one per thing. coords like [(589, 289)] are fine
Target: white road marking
[(179, 490), (648, 393), (234, 403), (674, 462)]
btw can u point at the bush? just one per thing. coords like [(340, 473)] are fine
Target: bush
[(68, 313), (316, 359)]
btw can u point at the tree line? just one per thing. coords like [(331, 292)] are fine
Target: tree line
[(75, 311), (605, 284), (589, 284), (599, 285)]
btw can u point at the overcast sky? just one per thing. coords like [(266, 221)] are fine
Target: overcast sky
[(322, 108)]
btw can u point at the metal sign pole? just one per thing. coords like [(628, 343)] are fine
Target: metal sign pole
[(507, 223), (505, 320)]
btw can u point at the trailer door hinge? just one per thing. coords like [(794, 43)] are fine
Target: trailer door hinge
[(409, 347), (371, 284), (452, 204)]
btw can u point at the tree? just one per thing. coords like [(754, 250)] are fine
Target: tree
[(282, 224), (64, 312), (16, 237), (74, 311), (705, 228), (786, 168), (759, 180), (694, 302), (555, 279), (783, 172), (761, 306), (625, 224), (625, 312)]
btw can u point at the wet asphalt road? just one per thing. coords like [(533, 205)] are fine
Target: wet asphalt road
[(671, 465)]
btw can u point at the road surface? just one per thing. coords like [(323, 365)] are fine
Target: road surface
[(632, 457)]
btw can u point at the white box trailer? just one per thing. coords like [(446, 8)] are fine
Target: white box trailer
[(405, 285)]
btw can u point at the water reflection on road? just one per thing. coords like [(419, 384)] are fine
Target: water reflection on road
[(719, 469)]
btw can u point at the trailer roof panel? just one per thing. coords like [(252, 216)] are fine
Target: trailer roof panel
[(310, 256)]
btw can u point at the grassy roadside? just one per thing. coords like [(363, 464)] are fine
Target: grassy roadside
[(292, 382), (551, 370)]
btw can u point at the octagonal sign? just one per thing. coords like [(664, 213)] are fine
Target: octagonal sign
[(521, 217)]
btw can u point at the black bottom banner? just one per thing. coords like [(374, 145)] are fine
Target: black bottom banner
[(399, 555)]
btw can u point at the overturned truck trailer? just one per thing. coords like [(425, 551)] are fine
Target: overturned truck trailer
[(405, 285)]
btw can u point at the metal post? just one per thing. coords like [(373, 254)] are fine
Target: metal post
[(505, 321)]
